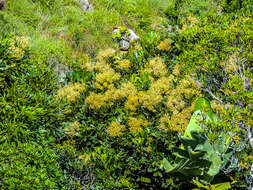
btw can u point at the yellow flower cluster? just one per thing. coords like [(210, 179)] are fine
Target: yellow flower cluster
[(85, 158), (135, 124), (230, 65), (71, 92), (132, 101), (185, 92), (176, 70), (128, 88), (102, 66), (192, 19), (150, 99), (217, 107), (96, 101), (156, 67), (115, 129), (69, 145), (177, 122), (113, 94), (89, 67), (179, 92), (124, 64), (175, 104), (17, 47), (184, 28), (165, 45), (106, 79), (105, 54), (162, 86), (72, 129)]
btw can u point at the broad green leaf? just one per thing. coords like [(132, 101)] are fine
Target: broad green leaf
[(205, 106), (193, 124), (221, 186), (166, 165)]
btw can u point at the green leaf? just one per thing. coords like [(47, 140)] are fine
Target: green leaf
[(193, 124), (221, 186), (205, 106), (166, 165)]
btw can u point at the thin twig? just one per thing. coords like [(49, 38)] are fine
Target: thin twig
[(209, 91)]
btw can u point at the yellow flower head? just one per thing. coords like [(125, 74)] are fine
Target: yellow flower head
[(156, 67), (115, 129), (217, 106), (102, 66), (132, 102), (162, 85), (17, 47), (192, 19), (128, 88), (105, 54), (165, 45), (103, 80), (96, 101), (89, 67), (124, 64), (176, 70), (150, 99), (72, 129), (71, 92), (136, 123)]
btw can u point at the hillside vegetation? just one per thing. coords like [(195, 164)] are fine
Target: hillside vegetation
[(175, 111)]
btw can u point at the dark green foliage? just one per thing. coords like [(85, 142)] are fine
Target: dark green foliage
[(28, 120), (46, 3), (235, 5), (27, 89), (31, 165)]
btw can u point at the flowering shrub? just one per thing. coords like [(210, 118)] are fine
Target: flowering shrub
[(130, 110), (137, 104)]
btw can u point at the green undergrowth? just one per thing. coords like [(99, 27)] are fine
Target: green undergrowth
[(56, 26)]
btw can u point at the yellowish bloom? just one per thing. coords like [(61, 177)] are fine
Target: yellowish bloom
[(72, 129), (176, 70), (71, 92), (136, 124), (156, 67), (96, 101), (165, 45), (217, 106), (102, 66), (124, 64), (162, 85), (105, 54), (149, 149), (89, 67), (17, 46), (103, 80), (128, 88), (132, 102), (192, 19), (115, 129), (150, 99), (85, 158)]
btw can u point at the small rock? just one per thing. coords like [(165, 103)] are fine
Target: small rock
[(86, 5), (2, 3), (61, 71), (170, 28), (126, 38), (133, 36), (124, 45)]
